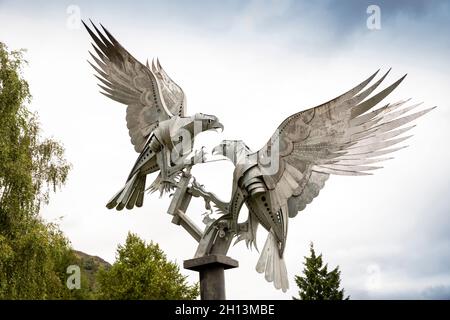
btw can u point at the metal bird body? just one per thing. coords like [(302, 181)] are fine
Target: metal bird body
[(344, 136), (168, 138), (164, 152), (156, 118), (249, 187)]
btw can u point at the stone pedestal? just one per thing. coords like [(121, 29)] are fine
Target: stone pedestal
[(212, 275)]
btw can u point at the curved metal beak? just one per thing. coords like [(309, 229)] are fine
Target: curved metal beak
[(218, 125)]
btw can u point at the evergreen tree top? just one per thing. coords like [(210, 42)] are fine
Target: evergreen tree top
[(317, 283)]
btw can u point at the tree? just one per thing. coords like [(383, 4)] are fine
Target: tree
[(142, 271), (34, 255), (317, 283), (30, 166)]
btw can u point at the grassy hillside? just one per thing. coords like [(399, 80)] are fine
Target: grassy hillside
[(89, 266)]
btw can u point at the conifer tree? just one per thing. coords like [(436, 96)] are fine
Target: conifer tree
[(317, 283)]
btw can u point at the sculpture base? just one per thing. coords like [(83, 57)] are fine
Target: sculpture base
[(212, 275)]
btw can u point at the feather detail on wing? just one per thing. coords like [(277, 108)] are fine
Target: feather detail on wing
[(173, 95), (344, 136), (151, 96)]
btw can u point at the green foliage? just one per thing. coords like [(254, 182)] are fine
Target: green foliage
[(142, 271), (33, 265), (317, 283), (89, 265), (33, 255), (29, 166)]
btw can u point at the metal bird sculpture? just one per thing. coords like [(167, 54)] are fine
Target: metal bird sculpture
[(344, 136), (156, 118)]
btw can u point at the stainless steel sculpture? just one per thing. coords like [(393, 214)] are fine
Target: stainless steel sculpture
[(344, 136), (156, 118)]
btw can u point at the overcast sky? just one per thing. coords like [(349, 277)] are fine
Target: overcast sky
[(252, 64)]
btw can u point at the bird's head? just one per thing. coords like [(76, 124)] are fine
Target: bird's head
[(208, 122), (232, 149)]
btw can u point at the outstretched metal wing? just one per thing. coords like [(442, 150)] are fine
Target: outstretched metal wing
[(173, 95), (343, 136), (150, 94)]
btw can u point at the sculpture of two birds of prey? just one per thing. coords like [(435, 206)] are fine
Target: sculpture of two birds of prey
[(344, 136)]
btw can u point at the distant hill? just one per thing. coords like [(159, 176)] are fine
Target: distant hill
[(89, 266)]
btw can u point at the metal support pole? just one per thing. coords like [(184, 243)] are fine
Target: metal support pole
[(210, 258), (212, 276)]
